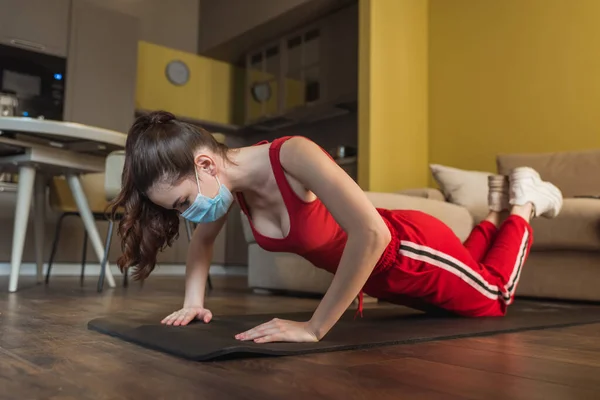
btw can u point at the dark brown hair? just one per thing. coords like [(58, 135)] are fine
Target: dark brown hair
[(159, 149)]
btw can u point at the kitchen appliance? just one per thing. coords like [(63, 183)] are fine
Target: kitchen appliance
[(8, 104), (341, 151), (36, 80)]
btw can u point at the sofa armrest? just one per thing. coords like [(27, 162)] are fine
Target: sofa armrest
[(426, 193)]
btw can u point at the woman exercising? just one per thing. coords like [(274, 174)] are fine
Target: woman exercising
[(298, 200)]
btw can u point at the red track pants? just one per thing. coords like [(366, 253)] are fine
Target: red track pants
[(433, 268)]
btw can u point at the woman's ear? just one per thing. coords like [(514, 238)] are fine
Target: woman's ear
[(205, 163)]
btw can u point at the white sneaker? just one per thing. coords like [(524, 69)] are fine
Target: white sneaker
[(498, 193), (526, 186)]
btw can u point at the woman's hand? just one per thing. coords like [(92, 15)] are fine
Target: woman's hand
[(188, 314), (279, 330)]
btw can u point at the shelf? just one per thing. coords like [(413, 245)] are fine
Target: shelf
[(346, 160), (8, 187)]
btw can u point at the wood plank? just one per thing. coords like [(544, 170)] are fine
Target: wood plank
[(48, 352), (308, 380), (20, 379), (468, 382), (566, 338), (561, 372), (514, 344)]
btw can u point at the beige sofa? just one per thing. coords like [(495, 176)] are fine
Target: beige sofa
[(565, 259), (564, 262)]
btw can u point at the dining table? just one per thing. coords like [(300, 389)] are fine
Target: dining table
[(37, 150)]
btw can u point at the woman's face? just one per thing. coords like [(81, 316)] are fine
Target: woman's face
[(179, 196)]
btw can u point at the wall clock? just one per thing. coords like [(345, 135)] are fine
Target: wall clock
[(261, 92), (177, 72)]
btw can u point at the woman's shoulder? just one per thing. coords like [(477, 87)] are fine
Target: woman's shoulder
[(300, 145), (297, 147)]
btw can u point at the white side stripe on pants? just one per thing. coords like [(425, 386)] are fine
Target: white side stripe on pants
[(467, 274), (511, 286)]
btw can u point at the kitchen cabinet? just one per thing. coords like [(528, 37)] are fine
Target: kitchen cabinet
[(169, 23), (209, 95), (284, 74), (223, 20), (304, 74), (38, 25), (101, 67)]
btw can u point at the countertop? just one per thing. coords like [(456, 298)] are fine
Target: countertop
[(61, 129)]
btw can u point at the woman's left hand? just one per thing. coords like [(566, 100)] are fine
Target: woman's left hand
[(279, 330)]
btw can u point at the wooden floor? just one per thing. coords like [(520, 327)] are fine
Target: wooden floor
[(46, 352)]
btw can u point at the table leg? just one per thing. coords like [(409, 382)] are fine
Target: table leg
[(89, 222), (39, 202), (24, 194)]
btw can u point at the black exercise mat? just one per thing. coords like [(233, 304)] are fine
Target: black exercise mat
[(379, 327)]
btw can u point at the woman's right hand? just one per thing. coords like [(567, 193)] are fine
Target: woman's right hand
[(187, 315)]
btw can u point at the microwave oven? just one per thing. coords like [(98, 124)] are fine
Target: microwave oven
[(37, 80)]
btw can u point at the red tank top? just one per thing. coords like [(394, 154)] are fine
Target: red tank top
[(314, 234)]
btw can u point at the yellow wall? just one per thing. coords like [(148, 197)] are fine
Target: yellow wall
[(209, 95), (392, 122), (512, 76)]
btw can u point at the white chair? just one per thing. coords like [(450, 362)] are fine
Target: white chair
[(99, 189), (61, 200), (113, 171)]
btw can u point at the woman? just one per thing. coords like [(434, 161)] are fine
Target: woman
[(299, 201)]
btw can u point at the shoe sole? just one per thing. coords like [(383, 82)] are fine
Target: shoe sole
[(544, 188)]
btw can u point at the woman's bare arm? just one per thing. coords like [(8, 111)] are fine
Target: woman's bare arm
[(199, 258), (368, 235), (196, 272), (367, 238)]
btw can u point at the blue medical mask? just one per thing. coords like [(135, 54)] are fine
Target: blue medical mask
[(205, 209)]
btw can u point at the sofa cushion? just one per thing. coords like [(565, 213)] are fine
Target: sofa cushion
[(425, 193), (574, 172), (464, 188), (285, 271), (577, 227), (456, 217)]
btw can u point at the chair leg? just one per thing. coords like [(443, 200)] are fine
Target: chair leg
[(83, 256), (188, 228), (210, 286), (55, 245), (109, 234)]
